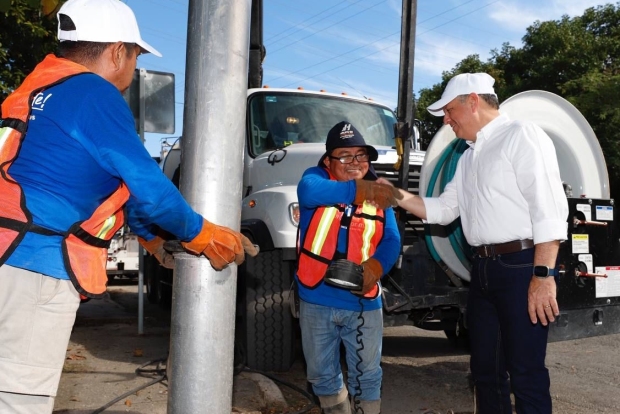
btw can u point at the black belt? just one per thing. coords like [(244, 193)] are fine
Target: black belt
[(489, 250)]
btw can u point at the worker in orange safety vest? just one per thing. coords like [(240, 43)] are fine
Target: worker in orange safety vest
[(339, 226), (72, 172)]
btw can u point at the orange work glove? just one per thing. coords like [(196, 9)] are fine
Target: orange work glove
[(382, 195), (221, 245), (156, 248), (372, 273)]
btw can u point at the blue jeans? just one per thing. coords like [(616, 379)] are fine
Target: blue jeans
[(504, 342), (323, 329)]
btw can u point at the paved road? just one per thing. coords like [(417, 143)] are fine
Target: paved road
[(425, 373)]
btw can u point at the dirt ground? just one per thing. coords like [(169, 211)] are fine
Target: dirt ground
[(424, 373), (107, 358)]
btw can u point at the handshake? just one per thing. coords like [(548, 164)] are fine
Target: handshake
[(379, 194), (221, 245)]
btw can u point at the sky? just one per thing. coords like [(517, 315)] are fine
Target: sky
[(353, 46)]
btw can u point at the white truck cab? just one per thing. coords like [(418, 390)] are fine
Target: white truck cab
[(286, 133)]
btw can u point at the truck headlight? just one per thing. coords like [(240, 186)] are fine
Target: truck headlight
[(293, 212)]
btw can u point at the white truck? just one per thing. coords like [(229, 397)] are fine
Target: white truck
[(286, 133), (428, 287), (123, 255)]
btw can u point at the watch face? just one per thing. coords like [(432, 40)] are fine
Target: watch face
[(541, 271)]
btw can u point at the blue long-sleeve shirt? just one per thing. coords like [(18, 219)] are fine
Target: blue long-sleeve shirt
[(80, 145), (315, 190)]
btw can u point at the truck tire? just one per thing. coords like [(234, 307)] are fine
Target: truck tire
[(156, 291), (164, 289), (267, 324), (459, 336)]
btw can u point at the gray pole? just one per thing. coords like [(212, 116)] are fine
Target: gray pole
[(141, 118), (203, 303)]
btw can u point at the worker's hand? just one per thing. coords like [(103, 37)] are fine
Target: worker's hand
[(541, 302), (381, 195), (372, 273), (220, 245), (156, 248)]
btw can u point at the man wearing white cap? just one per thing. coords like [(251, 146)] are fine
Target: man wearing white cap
[(508, 193), (72, 168)]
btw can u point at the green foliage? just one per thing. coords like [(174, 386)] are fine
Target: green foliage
[(577, 58), (26, 36)]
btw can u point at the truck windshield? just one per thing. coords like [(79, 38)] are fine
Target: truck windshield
[(279, 119)]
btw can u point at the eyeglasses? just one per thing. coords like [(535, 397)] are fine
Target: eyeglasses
[(348, 159)]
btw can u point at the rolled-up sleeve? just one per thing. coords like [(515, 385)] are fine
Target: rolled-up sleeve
[(443, 209)]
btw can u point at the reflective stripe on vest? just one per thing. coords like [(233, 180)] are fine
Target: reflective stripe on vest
[(323, 229), (85, 243), (85, 246), (318, 249)]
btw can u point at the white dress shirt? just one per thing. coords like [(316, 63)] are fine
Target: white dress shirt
[(506, 187)]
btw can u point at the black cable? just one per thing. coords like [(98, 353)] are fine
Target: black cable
[(240, 366), (358, 351), (160, 371), (139, 371)]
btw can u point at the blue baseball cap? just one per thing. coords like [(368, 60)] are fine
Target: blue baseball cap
[(345, 135)]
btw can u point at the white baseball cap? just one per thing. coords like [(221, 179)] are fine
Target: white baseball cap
[(105, 21), (463, 84)]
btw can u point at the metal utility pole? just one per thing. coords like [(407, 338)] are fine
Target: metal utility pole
[(405, 112), (257, 48), (200, 367)]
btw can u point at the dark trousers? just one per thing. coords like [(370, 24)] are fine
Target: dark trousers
[(504, 342)]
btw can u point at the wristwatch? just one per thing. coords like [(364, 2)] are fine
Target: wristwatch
[(544, 271)]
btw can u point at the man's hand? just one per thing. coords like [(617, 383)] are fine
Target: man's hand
[(372, 273), (220, 245), (382, 180), (381, 195), (541, 302), (156, 248)]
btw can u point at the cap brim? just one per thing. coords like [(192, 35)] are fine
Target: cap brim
[(148, 48), (437, 108), (374, 155)]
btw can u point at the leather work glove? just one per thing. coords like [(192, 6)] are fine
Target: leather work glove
[(382, 195), (156, 248), (220, 245), (372, 273)]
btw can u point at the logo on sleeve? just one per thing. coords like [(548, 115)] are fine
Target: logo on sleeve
[(39, 100)]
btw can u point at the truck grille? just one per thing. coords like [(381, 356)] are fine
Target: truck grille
[(414, 228)]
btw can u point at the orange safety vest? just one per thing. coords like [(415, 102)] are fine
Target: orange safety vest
[(365, 230), (85, 243)]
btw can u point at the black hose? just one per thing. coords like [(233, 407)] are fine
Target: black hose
[(358, 352), (161, 372)]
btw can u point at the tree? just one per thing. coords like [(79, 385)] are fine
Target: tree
[(576, 58), (27, 34)]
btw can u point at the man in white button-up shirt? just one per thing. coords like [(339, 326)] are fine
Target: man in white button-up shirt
[(509, 195)]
